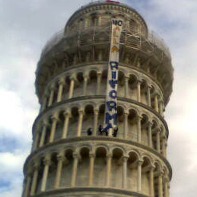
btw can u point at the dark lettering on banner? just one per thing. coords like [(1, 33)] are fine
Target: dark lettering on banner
[(114, 65), (113, 94), (110, 117), (117, 22), (114, 75), (111, 105), (113, 83)]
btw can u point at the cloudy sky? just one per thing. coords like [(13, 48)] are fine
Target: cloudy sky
[(26, 25)]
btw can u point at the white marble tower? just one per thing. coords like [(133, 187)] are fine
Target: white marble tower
[(71, 80)]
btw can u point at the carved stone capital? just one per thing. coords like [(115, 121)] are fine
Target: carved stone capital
[(76, 155), (67, 113), (52, 87), (61, 156), (126, 112), (61, 81), (36, 164), (109, 155), (73, 77), (81, 110), (47, 160), (140, 162), (55, 116), (125, 158), (92, 155), (96, 110), (45, 123)]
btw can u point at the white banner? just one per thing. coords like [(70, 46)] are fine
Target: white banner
[(112, 81)]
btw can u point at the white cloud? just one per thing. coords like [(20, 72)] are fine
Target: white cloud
[(11, 162), (11, 173), (16, 118), (12, 112)]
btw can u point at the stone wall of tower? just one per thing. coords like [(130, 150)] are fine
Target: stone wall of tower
[(71, 83)]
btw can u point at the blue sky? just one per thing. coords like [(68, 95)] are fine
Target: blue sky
[(25, 26)]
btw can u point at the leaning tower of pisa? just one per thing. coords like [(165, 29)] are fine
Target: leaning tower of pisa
[(71, 155)]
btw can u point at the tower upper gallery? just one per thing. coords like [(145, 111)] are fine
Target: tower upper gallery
[(89, 28)]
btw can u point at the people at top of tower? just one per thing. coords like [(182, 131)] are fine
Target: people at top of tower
[(102, 131), (115, 132), (89, 131)]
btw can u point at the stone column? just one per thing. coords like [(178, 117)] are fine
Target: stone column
[(151, 181), (61, 84), (72, 85), (88, 56), (168, 191), (108, 173), (64, 64), (44, 103), (166, 181), (35, 178), (52, 91), (99, 20), (85, 84), (76, 157), (126, 86), (53, 127), (80, 121), (75, 59), (91, 168), (160, 185), (139, 91), (164, 144), (156, 103), (149, 96), (139, 177), (138, 64), (96, 113), (26, 189), (139, 131), (47, 162), (100, 55), (60, 159), (43, 133), (126, 114), (36, 141), (86, 23), (67, 116), (150, 142), (158, 141), (127, 59), (98, 83), (161, 107), (124, 172)]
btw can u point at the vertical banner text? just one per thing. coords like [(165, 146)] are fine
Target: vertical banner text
[(112, 81)]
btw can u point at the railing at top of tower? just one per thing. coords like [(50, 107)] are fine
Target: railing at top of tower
[(152, 38), (101, 1)]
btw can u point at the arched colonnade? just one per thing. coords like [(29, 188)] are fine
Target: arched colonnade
[(91, 81), (73, 120), (132, 170)]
